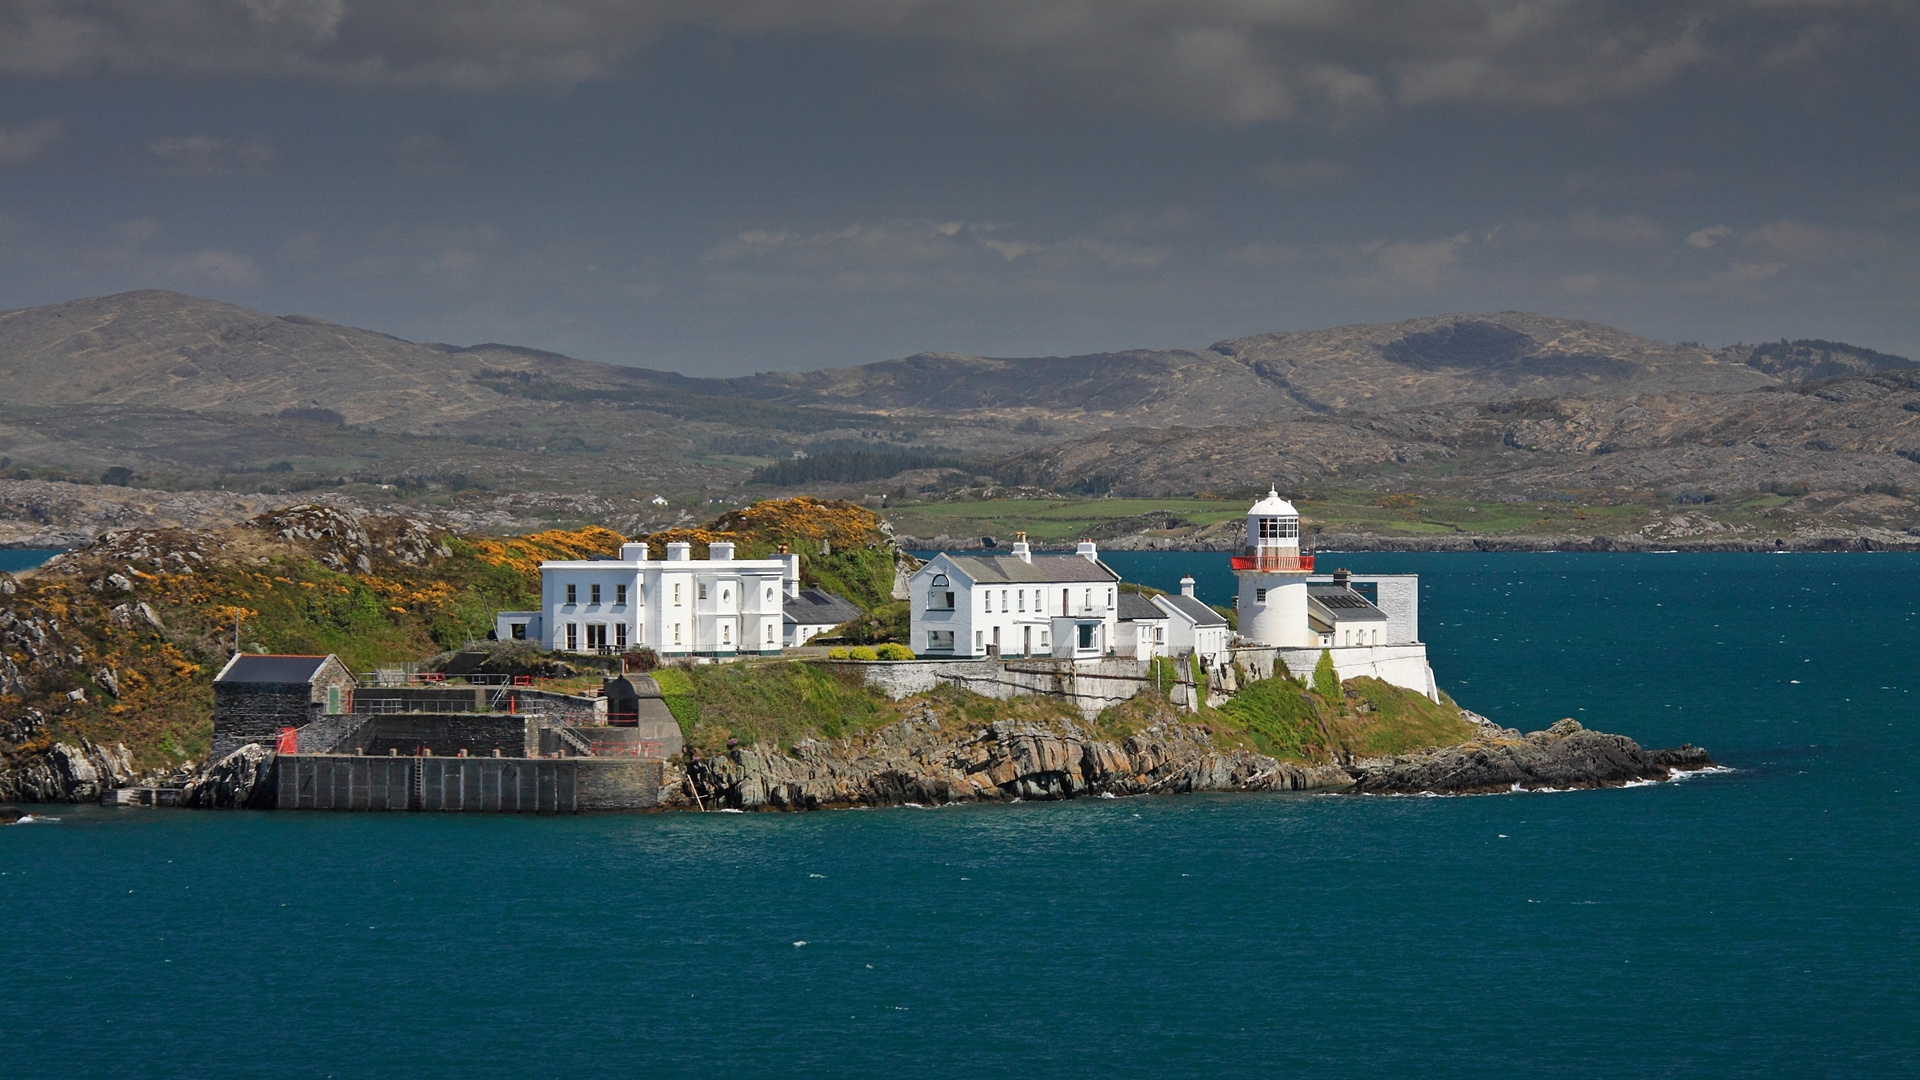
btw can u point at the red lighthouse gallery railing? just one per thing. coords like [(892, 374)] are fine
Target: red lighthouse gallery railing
[(1281, 563)]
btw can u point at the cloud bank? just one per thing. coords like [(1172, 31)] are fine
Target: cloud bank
[(1235, 61)]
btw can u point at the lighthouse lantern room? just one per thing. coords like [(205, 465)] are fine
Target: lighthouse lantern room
[(1273, 577)]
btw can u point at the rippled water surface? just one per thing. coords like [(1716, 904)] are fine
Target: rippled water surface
[(1756, 923)]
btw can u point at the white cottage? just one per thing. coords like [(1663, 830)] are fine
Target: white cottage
[(1193, 628), (678, 606), (1018, 604)]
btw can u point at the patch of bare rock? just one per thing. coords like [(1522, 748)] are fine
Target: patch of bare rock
[(1565, 756)]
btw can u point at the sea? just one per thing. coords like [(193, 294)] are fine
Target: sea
[(1760, 921)]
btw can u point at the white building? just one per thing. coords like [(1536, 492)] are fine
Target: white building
[(678, 606), (1141, 632), (1273, 577), (1019, 604), (1193, 628)]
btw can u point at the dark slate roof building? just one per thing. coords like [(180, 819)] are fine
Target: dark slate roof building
[(255, 697), (1039, 570), (1328, 605), (1195, 611), (818, 607), (1137, 608)]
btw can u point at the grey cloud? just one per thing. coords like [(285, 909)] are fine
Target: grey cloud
[(1297, 174), (1231, 60), (204, 155), (29, 143)]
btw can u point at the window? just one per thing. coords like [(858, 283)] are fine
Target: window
[(1159, 635), (769, 594), (676, 633), (1089, 600), (1259, 596), (939, 641), (333, 700), (619, 594), (1109, 598), (726, 634), (593, 594), (1043, 640), (573, 634), (1086, 635), (620, 635), (939, 600), (939, 581), (1003, 600), (573, 594), (979, 640), (1275, 528), (1023, 599), (769, 633), (517, 631), (726, 595), (703, 591), (676, 594)]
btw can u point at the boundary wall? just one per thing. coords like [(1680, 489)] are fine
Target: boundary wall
[(1401, 665)]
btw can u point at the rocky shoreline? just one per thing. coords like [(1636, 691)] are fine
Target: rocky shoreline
[(922, 761), (917, 761)]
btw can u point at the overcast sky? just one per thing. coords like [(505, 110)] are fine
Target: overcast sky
[(727, 186)]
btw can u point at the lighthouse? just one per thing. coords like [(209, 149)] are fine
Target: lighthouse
[(1273, 577)]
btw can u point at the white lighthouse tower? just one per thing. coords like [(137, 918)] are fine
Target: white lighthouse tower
[(1273, 577)]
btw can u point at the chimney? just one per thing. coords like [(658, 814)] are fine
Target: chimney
[(720, 551), (1186, 585), (1087, 551), (634, 553), (1020, 549), (790, 576), (679, 551), (1340, 578)]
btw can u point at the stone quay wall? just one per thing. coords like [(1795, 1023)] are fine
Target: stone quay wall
[(494, 785)]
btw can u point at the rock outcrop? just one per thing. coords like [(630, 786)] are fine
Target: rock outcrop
[(1564, 756), (918, 760), (68, 773), (242, 780)]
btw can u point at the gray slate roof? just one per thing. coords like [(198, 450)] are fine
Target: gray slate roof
[(1005, 569), (1136, 608), (248, 668), (818, 607), (1347, 605), (1197, 613)]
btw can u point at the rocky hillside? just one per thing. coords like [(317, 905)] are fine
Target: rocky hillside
[(1848, 434), (107, 653)]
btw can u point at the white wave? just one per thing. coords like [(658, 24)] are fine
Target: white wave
[(37, 819), (1688, 774), (729, 810)]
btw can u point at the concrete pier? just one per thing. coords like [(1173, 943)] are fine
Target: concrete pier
[(516, 785)]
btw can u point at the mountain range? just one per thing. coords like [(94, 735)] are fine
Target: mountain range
[(162, 389)]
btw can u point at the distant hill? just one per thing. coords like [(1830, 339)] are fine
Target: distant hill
[(1810, 358)]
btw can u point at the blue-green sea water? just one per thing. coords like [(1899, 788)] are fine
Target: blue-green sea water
[(1760, 922), (14, 560)]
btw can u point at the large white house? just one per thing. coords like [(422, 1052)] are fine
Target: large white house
[(677, 606), (1018, 604)]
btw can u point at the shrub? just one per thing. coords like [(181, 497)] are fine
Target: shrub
[(836, 653), (641, 660), (1326, 681), (862, 652), (893, 650)]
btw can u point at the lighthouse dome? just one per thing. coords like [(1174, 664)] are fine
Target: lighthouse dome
[(1273, 506)]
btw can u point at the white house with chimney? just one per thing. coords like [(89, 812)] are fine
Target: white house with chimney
[(1018, 604), (718, 606), (1193, 628)]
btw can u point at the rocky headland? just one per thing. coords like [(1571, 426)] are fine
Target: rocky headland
[(927, 759)]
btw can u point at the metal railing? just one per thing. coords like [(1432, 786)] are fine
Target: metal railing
[(1280, 563)]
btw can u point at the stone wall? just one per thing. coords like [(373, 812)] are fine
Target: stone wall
[(255, 712), (1401, 665), (444, 734), (1091, 685), (499, 785)]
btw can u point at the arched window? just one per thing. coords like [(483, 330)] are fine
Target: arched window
[(939, 581)]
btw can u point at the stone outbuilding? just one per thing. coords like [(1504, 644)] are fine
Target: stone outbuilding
[(256, 696)]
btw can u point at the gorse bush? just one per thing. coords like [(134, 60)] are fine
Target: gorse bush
[(862, 652), (893, 651)]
